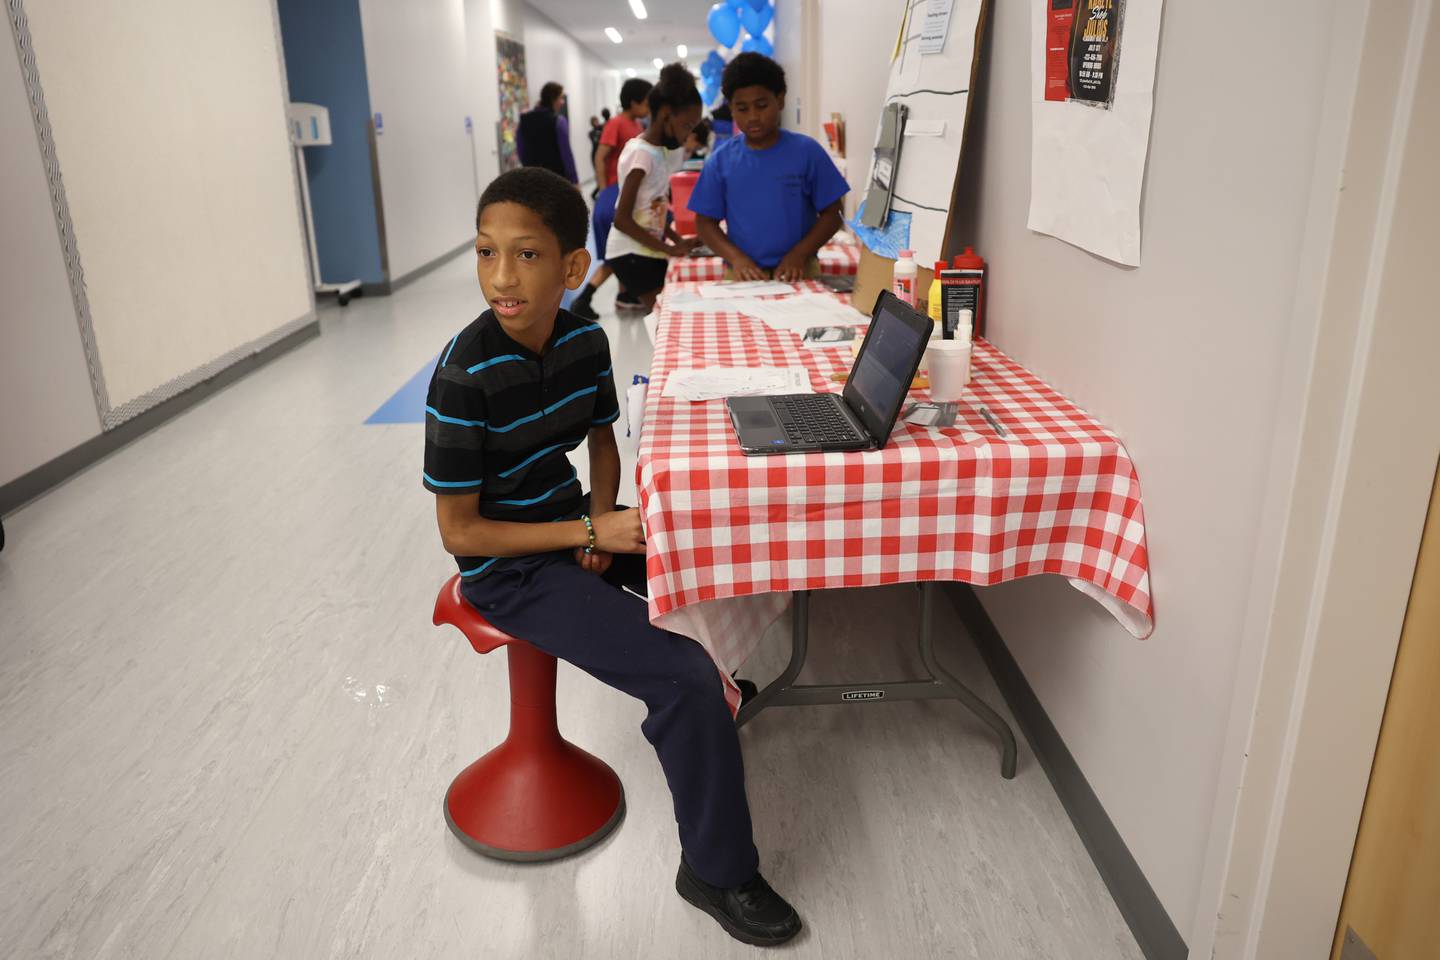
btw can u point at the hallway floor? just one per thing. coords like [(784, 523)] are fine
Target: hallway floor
[(228, 723)]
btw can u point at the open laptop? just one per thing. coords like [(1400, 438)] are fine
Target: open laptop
[(861, 417)]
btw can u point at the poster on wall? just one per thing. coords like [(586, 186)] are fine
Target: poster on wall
[(514, 100), (1082, 45), (1092, 94)]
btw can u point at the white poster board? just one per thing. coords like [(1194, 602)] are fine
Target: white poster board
[(936, 89)]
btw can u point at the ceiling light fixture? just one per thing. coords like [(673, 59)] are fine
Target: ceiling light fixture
[(614, 35), (682, 51), (637, 7), (630, 72), (659, 64)]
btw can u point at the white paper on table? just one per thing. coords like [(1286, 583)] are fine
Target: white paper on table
[(713, 383), (691, 303), (723, 290), (800, 313), (1087, 164), (935, 27)]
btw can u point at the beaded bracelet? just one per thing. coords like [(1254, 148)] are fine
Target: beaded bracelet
[(590, 530)]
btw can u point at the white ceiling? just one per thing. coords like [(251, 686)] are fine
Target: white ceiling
[(669, 22)]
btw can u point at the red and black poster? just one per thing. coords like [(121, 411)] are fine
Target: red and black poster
[(1082, 46)]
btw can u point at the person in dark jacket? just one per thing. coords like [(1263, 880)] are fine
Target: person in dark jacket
[(543, 139)]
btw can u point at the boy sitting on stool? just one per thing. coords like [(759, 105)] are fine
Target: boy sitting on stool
[(513, 392), (778, 192)]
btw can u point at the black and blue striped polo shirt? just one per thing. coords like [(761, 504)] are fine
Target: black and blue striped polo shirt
[(500, 419)]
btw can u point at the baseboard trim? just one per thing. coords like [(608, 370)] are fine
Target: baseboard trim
[(53, 473), (1149, 923), (429, 266)]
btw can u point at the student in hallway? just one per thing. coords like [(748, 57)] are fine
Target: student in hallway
[(543, 138), (642, 240), (513, 393), (778, 192), (619, 130)]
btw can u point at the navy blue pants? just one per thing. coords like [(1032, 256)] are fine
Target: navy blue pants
[(589, 621)]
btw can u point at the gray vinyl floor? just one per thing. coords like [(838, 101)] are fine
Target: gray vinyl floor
[(226, 723)]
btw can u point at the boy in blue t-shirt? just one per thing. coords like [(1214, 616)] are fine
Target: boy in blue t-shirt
[(778, 192), (513, 394)]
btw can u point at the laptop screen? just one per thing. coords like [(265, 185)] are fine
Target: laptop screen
[(886, 365)]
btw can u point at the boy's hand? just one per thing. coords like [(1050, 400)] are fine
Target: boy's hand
[(682, 247), (747, 269), (791, 267), (597, 562), (619, 532)]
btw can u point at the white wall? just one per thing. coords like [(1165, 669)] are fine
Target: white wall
[(416, 62), (1183, 357), (430, 64), (788, 37), (169, 126), (46, 405), (480, 93), (855, 44)]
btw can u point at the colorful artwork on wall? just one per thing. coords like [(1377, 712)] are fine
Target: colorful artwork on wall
[(514, 99)]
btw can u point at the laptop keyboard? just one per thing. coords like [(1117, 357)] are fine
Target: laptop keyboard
[(813, 418)]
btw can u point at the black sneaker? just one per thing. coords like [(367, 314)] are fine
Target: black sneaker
[(748, 690), (751, 913), (583, 310)]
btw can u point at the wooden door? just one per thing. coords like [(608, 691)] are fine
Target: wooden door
[(1393, 891)]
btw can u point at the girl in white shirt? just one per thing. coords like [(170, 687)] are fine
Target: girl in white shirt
[(642, 239)]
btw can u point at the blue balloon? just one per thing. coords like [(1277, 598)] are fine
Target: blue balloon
[(757, 45), (757, 4), (709, 90), (724, 24), (755, 20), (714, 63), (737, 4)]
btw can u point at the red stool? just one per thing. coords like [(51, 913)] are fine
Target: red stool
[(536, 796)]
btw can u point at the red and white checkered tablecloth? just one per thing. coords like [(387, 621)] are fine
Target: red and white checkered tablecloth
[(729, 536), (836, 260)]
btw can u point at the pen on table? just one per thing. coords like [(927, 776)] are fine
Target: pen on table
[(990, 419)]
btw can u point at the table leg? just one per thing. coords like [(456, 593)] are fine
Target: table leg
[(799, 645), (962, 693), (783, 691)]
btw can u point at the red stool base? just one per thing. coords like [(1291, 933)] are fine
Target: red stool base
[(533, 803)]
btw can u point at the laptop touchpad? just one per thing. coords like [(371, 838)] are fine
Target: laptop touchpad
[(757, 419)]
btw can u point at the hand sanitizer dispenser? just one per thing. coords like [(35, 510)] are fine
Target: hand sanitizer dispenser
[(310, 127)]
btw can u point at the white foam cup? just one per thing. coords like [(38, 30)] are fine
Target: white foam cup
[(949, 365)]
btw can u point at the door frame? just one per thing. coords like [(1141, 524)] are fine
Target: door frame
[(1350, 482)]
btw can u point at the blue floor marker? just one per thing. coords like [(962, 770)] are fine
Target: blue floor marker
[(408, 403)]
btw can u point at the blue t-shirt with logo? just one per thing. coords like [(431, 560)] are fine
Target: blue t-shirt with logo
[(769, 198)]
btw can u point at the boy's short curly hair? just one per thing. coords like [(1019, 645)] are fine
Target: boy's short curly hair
[(634, 91), (752, 70), (553, 198)]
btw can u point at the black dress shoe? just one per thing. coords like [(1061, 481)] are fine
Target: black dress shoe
[(751, 913), (582, 309)]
